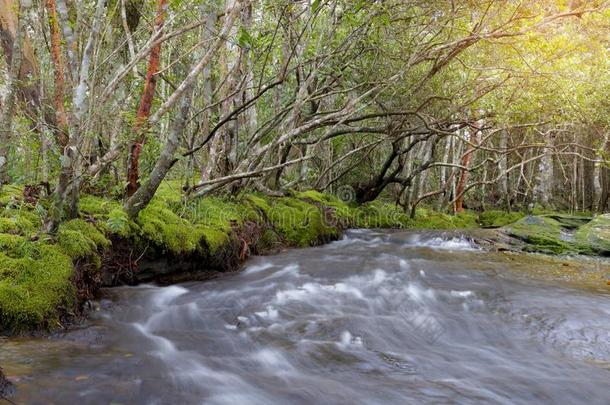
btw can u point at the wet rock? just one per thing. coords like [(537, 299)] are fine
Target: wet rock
[(494, 240), (596, 235), (7, 389), (92, 336), (570, 221)]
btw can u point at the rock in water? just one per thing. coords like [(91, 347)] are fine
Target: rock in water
[(7, 389)]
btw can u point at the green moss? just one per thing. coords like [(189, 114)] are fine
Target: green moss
[(11, 243), (118, 223), (16, 225), (569, 221), (34, 283), (595, 235), (185, 228), (342, 210), (466, 219), (170, 193), (80, 239), (160, 225), (11, 195), (220, 213), (97, 207), (300, 223), (498, 219), (427, 219), (215, 239), (259, 202), (379, 214)]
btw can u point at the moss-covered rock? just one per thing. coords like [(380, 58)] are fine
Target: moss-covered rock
[(498, 219), (596, 235), (568, 221), (543, 234)]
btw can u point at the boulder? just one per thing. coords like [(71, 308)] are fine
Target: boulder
[(541, 233), (596, 235)]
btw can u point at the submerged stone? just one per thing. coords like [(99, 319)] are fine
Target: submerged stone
[(7, 389)]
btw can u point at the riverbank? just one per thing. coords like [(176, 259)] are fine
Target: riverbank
[(46, 279)]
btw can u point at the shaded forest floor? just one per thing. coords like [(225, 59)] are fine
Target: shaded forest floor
[(45, 280)]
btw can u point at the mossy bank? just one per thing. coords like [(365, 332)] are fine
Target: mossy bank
[(45, 279)]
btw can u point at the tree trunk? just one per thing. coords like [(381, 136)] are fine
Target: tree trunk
[(443, 175), (464, 173), (67, 189), (231, 65), (544, 179), (58, 66), (8, 104), (502, 168), (140, 127), (588, 173), (207, 166), (144, 194), (604, 178)]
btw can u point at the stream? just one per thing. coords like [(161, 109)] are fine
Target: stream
[(377, 317)]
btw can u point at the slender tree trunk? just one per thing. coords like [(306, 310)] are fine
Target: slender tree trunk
[(464, 173), (67, 189), (604, 179), (588, 173), (140, 126), (8, 104), (144, 194), (544, 179), (207, 166), (502, 168), (443, 175), (58, 66), (231, 66)]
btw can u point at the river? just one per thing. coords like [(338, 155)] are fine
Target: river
[(377, 317)]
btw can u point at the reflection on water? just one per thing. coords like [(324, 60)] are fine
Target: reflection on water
[(373, 318)]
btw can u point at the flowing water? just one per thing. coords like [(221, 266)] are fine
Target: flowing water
[(374, 318)]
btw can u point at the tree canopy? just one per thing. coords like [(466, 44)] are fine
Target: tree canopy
[(454, 104)]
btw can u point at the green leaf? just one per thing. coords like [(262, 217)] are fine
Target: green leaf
[(244, 39)]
